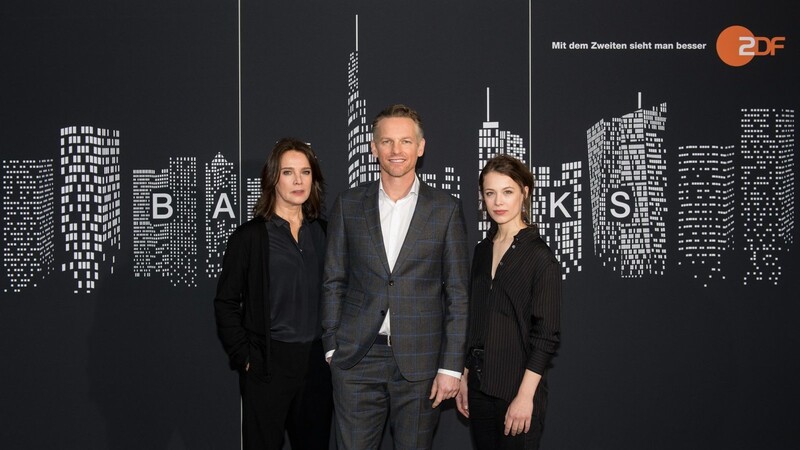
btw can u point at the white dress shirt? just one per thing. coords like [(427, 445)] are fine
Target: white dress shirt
[(395, 220)]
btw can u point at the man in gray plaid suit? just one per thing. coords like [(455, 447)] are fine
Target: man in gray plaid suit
[(394, 295)]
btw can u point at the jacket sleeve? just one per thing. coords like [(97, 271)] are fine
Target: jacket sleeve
[(335, 277), (455, 282), (228, 300)]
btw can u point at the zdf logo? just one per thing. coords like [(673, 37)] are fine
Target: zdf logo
[(737, 46)]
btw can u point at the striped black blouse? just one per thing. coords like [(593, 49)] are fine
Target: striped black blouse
[(515, 318)]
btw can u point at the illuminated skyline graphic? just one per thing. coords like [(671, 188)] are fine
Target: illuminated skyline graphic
[(705, 209), (65, 213), (362, 167), (28, 222), (220, 207), (767, 175), (90, 203), (627, 185), (493, 141), (166, 216), (557, 209)]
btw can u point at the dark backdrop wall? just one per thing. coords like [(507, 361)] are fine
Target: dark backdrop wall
[(131, 132)]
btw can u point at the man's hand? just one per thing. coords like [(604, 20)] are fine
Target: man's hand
[(444, 387)]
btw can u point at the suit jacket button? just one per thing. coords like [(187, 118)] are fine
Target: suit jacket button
[(383, 313), (391, 282)]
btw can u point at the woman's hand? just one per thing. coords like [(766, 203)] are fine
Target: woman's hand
[(520, 411), (462, 402), (518, 416)]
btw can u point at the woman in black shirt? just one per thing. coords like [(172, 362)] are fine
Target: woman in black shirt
[(267, 306), (513, 331)]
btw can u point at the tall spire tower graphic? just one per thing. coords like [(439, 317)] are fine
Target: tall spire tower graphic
[(361, 164), (493, 141)]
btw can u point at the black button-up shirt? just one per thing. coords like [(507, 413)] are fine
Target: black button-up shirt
[(515, 318), (295, 280)]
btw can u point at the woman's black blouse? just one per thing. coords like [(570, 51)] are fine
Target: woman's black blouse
[(515, 318), (295, 273)]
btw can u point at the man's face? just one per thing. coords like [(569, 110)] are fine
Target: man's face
[(397, 145)]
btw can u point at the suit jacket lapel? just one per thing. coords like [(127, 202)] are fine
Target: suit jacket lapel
[(422, 212), (373, 215)]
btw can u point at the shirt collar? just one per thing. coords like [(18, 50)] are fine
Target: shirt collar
[(279, 221), (529, 232), (414, 189)]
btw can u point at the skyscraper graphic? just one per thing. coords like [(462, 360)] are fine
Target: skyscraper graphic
[(165, 213), (627, 182), (450, 181), (182, 229), (557, 209), (253, 194), (767, 213), (90, 202), (493, 141), (221, 204), (361, 164), (705, 209), (150, 235), (28, 222)]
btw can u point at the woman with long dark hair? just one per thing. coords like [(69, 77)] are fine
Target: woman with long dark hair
[(267, 306), (514, 325)]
